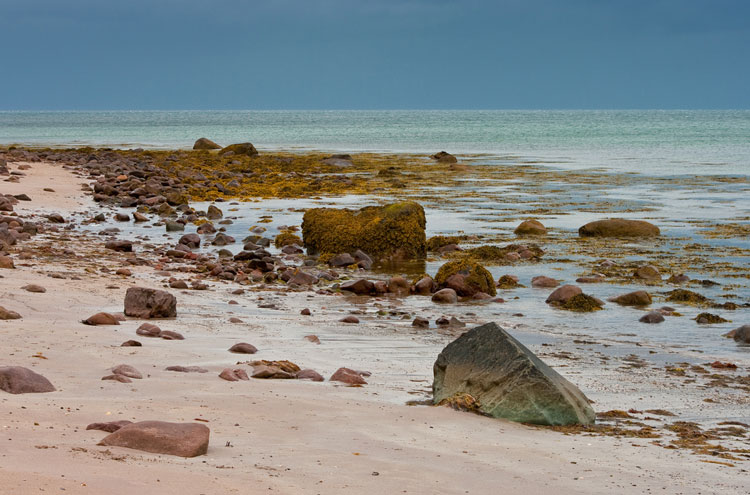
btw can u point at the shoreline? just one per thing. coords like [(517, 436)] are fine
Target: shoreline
[(348, 456)]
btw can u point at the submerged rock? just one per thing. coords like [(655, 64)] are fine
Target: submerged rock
[(619, 227), (507, 380), (160, 437), (395, 231)]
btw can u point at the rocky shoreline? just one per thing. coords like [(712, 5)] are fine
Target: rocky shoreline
[(273, 269)]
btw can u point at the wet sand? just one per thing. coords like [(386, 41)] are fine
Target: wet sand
[(283, 436)]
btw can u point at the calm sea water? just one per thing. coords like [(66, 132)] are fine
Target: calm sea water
[(653, 142)]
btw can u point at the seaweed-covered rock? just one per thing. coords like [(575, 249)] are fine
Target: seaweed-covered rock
[(240, 149), (581, 303), (286, 239), (444, 157), (619, 227), (647, 272), (436, 242), (205, 144), (709, 319), (507, 380), (562, 294), (530, 227), (636, 298), (466, 277), (686, 297), (395, 231), (741, 334), (160, 437)]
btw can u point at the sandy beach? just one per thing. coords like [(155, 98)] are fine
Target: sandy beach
[(275, 436)]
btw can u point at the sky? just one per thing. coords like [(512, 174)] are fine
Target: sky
[(374, 54)]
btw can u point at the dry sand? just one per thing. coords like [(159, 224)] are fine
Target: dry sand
[(268, 436)]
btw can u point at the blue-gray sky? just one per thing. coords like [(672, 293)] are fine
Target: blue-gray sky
[(372, 54)]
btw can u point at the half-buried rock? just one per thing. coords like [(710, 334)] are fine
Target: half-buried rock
[(507, 380), (160, 437), (141, 302), (394, 231), (19, 380)]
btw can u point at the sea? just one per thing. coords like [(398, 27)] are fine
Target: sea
[(658, 142)]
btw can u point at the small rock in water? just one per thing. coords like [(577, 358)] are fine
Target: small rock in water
[(652, 317), (420, 322)]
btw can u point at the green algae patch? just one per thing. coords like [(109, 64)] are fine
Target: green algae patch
[(581, 303), (285, 239), (476, 276), (686, 297), (436, 242), (394, 231)]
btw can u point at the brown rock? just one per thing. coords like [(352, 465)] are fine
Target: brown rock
[(148, 330), (398, 285), (19, 380), (420, 322), (445, 296), (131, 343), (309, 374), (562, 294), (652, 317), (101, 319), (424, 286), (205, 144), (141, 302), (312, 338), (359, 287), (444, 157), (305, 312), (34, 288), (169, 335), (118, 378), (637, 298), (530, 227), (647, 272), (350, 319), (542, 281), (348, 376), (272, 372), (6, 262), (233, 374), (159, 437), (126, 370), (243, 348), (186, 369), (619, 227), (110, 427)]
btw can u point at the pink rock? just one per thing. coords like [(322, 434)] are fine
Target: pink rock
[(311, 375), (233, 374), (348, 376), (243, 348), (563, 293), (159, 437)]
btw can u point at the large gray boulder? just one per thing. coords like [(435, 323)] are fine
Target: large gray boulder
[(160, 437), (141, 302), (507, 380)]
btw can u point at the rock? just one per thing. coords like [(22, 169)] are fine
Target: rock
[(619, 227), (178, 284), (121, 246), (445, 296), (205, 144), (507, 380), (131, 343), (139, 217), (472, 278), (148, 330), (420, 322), (222, 239), (6, 262), (34, 288), (159, 437), (359, 287), (652, 317), (122, 217), (19, 380), (637, 298), (394, 231), (110, 427), (343, 259), (542, 281), (186, 369), (141, 302), (240, 149), (118, 378), (507, 282), (6, 314), (562, 294), (126, 370), (302, 278), (233, 374), (274, 372), (101, 319), (348, 376), (363, 259), (398, 285), (444, 157), (214, 213), (193, 241), (581, 303), (424, 286), (243, 348), (308, 374), (170, 335), (530, 227), (350, 319), (742, 334), (341, 161), (123, 271), (55, 218), (709, 319), (678, 279), (647, 272), (173, 226)]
